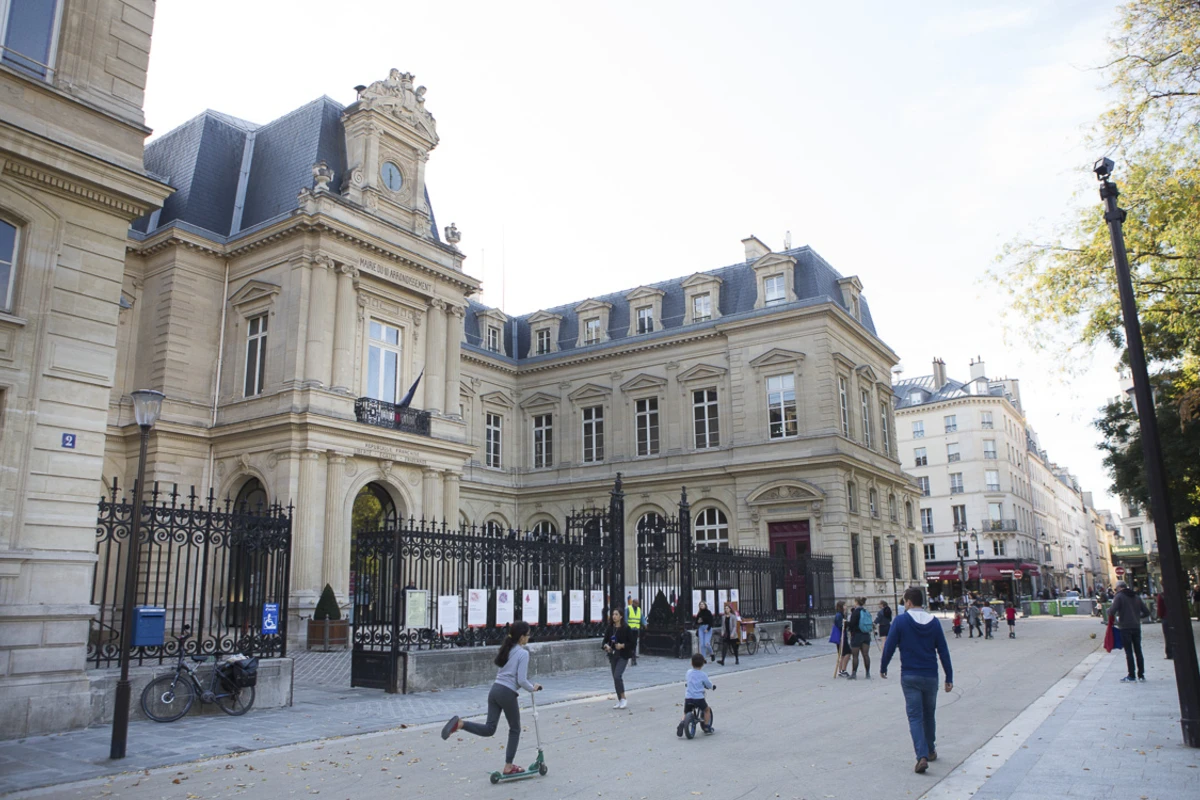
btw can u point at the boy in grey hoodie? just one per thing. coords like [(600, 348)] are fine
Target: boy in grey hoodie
[(1127, 611)]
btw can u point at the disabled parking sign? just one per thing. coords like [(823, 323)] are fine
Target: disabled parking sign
[(270, 623)]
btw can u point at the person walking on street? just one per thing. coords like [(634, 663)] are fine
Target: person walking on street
[(1127, 610), (704, 623), (989, 619), (860, 637), (731, 623), (633, 619), (1161, 603), (918, 636), (883, 619), (618, 643), (1010, 616), (841, 637), (513, 661), (973, 620)]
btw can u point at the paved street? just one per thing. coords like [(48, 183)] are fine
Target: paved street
[(1040, 716)]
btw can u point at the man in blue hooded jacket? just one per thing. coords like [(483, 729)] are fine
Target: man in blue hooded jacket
[(918, 635)]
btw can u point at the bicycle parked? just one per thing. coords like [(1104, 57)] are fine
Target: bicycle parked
[(230, 686)]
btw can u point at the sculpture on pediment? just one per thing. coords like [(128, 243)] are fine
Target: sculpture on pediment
[(396, 96)]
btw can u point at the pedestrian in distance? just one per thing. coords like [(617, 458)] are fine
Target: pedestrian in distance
[(918, 636), (791, 638), (1196, 600), (989, 619), (1161, 604), (731, 629), (704, 626), (693, 696), (633, 620), (861, 626), (513, 661), (1010, 616), (973, 620), (841, 628), (883, 619), (957, 624), (1127, 611), (618, 643)]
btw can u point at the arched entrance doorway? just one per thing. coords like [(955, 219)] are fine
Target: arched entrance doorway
[(373, 509), (244, 571)]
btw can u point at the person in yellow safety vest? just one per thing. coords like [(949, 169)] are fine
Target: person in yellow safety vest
[(633, 620)]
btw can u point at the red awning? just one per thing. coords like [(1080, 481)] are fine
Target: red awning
[(941, 573)]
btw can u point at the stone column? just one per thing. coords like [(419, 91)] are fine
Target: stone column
[(450, 499), (337, 536), (304, 269), (435, 356), (454, 335), (306, 549), (431, 495), (318, 348), (343, 331)]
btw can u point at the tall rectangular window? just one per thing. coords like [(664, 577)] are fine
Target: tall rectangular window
[(952, 453), (702, 307), (884, 439), (926, 520), (493, 338), (774, 289), (383, 361), (704, 416), (646, 418), (930, 552), (593, 434), (991, 478), (912, 561), (256, 354), (8, 259), (852, 497), (591, 331), (1136, 535), (844, 402), (494, 430), (960, 517), (645, 319), (956, 483), (985, 420), (998, 548), (996, 515), (781, 406), (895, 548), (28, 34), (920, 458), (865, 397), (962, 549), (989, 449), (918, 430), (543, 441), (923, 485), (855, 556), (951, 421), (877, 552), (543, 342)]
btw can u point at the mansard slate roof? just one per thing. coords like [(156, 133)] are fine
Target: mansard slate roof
[(950, 390), (203, 160), (815, 282)]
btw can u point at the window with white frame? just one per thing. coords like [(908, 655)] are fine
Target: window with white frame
[(844, 402), (852, 497), (645, 319), (1136, 535), (8, 263), (711, 528), (873, 502), (702, 307), (926, 520), (952, 453), (930, 552), (781, 406), (985, 420), (996, 515), (646, 424), (383, 361), (704, 417), (908, 513), (918, 429), (256, 355), (951, 423), (543, 441), (989, 449), (493, 338), (545, 531), (593, 434), (29, 30), (959, 513), (774, 289), (543, 342), (956, 483), (998, 548), (923, 485), (991, 479), (920, 457), (884, 439), (912, 561), (591, 331), (865, 397), (962, 549), (495, 426)]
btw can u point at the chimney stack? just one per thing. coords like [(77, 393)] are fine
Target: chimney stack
[(939, 374), (977, 368), (755, 249)]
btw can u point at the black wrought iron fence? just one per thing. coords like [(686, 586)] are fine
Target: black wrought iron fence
[(208, 563)]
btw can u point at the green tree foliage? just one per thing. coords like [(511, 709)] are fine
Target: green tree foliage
[(327, 607)]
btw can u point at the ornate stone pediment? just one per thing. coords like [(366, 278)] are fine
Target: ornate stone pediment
[(644, 293), (777, 356), (787, 490), (865, 371), (592, 305), (538, 400), (590, 391), (252, 292), (396, 96), (543, 316), (701, 372), (643, 382), (497, 399)]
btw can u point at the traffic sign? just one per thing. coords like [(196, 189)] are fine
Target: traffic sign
[(1018, 574), (1120, 571)]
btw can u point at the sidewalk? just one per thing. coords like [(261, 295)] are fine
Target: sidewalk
[(1104, 739), (325, 707)]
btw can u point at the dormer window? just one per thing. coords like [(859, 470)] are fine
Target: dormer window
[(645, 319), (645, 310), (702, 298), (591, 331), (543, 331), (543, 342), (774, 289), (702, 307), (493, 339), (594, 316), (491, 329)]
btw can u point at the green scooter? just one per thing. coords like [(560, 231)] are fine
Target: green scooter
[(538, 768)]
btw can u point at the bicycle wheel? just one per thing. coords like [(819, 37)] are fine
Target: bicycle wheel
[(751, 644), (690, 729), (168, 698), (236, 701)]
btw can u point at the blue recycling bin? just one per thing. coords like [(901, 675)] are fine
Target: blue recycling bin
[(149, 626)]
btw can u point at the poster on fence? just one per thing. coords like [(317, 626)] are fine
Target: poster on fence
[(734, 598), (722, 599), (554, 608), (477, 608), (504, 607), (779, 599), (697, 599), (576, 609), (597, 605), (530, 610), (448, 611), (416, 608)]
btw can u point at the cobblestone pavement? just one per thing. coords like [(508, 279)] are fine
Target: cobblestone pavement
[(324, 706)]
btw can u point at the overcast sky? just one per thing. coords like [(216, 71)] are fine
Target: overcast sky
[(591, 148)]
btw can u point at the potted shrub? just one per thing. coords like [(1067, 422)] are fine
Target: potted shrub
[(327, 629)]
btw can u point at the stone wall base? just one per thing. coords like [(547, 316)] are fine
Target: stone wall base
[(430, 670)]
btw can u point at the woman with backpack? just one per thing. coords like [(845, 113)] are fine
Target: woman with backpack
[(861, 626), (513, 661)]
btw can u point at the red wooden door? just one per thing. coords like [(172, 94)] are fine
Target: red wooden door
[(791, 541)]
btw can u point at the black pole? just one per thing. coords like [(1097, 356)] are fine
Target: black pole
[(120, 728), (616, 536), (1187, 680), (895, 546)]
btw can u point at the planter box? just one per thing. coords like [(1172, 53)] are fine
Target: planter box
[(328, 634)]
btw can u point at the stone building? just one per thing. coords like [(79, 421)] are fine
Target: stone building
[(71, 181), (296, 286)]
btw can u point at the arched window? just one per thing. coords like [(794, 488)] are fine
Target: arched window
[(243, 593), (711, 528), (373, 508), (493, 528), (908, 513), (892, 508), (8, 261), (873, 500), (852, 497), (545, 531), (651, 531)]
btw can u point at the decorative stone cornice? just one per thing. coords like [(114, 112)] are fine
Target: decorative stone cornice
[(75, 189)]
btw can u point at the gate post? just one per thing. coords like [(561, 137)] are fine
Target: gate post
[(397, 593), (684, 607), (616, 534)]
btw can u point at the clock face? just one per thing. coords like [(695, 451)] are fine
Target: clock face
[(393, 178)]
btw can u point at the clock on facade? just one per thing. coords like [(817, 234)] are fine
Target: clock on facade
[(393, 178)]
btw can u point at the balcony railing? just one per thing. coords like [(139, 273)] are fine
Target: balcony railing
[(952, 457), (999, 525), (370, 411)]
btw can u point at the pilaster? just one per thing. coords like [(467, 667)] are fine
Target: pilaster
[(435, 357), (454, 335), (343, 333), (306, 547), (431, 494), (337, 532), (322, 295), (450, 487)]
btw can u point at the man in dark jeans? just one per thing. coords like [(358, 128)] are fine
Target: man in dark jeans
[(1127, 611)]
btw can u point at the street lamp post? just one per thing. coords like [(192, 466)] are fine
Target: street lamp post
[(891, 539), (147, 405), (962, 566), (1186, 678), (979, 560)]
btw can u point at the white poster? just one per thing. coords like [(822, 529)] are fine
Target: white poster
[(530, 610), (554, 608), (504, 607), (448, 611), (477, 608), (722, 598), (416, 608), (733, 596), (697, 597), (779, 599), (576, 609), (597, 605)]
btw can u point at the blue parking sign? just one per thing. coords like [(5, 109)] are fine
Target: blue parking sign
[(270, 618)]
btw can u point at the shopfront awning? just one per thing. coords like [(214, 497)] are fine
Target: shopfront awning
[(945, 572)]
